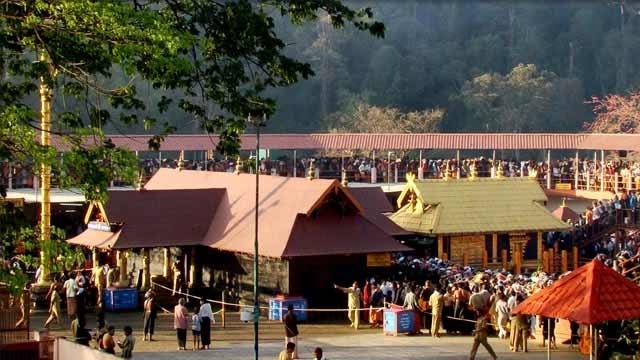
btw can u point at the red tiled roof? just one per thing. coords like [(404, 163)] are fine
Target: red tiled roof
[(442, 141), (282, 200), (330, 233), (589, 295), (158, 218)]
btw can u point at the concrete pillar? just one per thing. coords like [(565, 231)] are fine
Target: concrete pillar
[(457, 164), (549, 169)]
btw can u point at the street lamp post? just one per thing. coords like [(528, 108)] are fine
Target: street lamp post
[(257, 123)]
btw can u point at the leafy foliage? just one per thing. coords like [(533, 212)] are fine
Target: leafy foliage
[(616, 114), (365, 118)]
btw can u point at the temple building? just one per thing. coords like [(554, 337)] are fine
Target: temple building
[(312, 233), (479, 221)]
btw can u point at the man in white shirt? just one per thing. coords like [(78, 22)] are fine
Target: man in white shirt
[(71, 290), (206, 315)]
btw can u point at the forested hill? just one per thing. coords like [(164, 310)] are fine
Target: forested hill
[(463, 56)]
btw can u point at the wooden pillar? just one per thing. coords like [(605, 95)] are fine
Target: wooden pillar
[(465, 259), (539, 247), (576, 259), (440, 246), (552, 263), (445, 256), (494, 248), (166, 265), (545, 261), (146, 268), (192, 269), (485, 258), (564, 261), (516, 257), (505, 258)]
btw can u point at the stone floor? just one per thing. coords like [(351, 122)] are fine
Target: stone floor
[(235, 341)]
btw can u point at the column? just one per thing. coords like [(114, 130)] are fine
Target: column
[(122, 267), (549, 169), (539, 247), (440, 246), (192, 268), (374, 169), (458, 164), (95, 257), (577, 171), (146, 268), (166, 265), (494, 248), (602, 178)]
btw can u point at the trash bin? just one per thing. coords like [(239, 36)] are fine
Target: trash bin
[(246, 314)]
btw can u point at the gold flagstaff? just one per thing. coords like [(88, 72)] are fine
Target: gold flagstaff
[(45, 171)]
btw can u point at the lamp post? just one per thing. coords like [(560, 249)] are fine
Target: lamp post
[(257, 123)]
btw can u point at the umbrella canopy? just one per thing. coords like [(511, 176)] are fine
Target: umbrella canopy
[(589, 295)]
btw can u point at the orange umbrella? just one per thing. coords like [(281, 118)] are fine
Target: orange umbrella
[(589, 295)]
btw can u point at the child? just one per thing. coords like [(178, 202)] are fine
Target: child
[(128, 343), (195, 328)]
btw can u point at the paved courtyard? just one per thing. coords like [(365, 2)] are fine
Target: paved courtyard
[(339, 341), (366, 346)]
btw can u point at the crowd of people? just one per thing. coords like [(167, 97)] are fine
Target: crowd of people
[(592, 173), (460, 300)]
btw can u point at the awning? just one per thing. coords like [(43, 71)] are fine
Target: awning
[(96, 238)]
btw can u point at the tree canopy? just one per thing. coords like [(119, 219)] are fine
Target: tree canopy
[(210, 60)]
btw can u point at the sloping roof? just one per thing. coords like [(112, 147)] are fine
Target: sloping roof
[(157, 218), (589, 295), (96, 238), (330, 233), (565, 213), (482, 205), (376, 204), (443, 141), (282, 201)]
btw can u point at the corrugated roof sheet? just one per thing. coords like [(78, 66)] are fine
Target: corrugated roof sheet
[(592, 294), (441, 141), (483, 205)]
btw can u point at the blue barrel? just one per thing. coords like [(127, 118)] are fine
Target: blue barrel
[(114, 299), (278, 307)]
